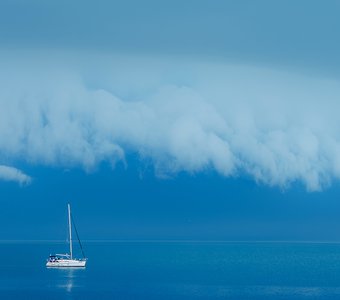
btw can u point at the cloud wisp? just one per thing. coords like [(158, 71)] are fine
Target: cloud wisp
[(275, 126), (12, 174)]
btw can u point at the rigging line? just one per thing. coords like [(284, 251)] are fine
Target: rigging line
[(75, 228)]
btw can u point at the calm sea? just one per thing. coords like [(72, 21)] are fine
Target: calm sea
[(174, 270)]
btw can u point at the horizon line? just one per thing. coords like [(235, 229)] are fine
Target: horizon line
[(171, 241)]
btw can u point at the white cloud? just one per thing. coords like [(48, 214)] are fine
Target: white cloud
[(12, 174), (276, 126)]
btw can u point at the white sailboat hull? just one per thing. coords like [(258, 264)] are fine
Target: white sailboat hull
[(62, 263)]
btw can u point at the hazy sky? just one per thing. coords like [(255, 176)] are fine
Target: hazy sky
[(178, 119)]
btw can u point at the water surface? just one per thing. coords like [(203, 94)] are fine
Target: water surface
[(174, 270)]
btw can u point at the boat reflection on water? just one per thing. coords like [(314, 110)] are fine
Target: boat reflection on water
[(68, 278)]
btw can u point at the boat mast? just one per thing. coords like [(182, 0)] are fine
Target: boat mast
[(70, 227)]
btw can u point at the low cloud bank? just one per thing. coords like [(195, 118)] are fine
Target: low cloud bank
[(275, 126)]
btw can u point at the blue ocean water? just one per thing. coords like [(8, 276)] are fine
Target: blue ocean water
[(174, 270)]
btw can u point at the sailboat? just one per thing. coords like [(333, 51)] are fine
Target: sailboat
[(67, 260)]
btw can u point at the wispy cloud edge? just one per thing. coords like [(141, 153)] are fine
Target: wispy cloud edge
[(8, 173)]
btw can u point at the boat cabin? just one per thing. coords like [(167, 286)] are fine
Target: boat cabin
[(56, 257)]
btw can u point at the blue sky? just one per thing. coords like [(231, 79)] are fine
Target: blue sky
[(170, 120)]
